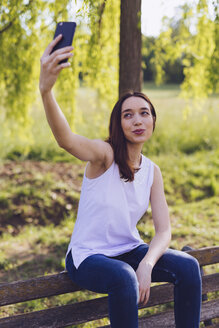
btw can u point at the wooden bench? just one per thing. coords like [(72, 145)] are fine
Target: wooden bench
[(86, 311)]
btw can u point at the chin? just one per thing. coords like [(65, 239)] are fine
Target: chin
[(137, 141), (133, 139)]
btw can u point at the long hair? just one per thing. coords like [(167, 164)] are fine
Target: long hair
[(117, 138)]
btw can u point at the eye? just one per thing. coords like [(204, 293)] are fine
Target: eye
[(144, 113), (127, 115)]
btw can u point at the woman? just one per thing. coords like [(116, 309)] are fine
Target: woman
[(106, 253)]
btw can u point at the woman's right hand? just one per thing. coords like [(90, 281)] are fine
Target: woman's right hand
[(50, 67)]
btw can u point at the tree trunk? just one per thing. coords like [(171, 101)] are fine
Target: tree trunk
[(130, 73)]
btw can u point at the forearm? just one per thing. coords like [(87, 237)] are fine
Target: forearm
[(157, 247), (56, 119)]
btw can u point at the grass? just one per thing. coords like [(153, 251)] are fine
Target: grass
[(40, 186)]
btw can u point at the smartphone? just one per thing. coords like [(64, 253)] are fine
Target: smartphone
[(67, 29)]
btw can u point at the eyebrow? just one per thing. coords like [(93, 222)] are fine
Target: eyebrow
[(129, 109)]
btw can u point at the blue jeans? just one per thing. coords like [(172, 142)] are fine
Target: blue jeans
[(116, 277)]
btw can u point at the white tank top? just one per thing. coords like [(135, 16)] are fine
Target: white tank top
[(109, 209)]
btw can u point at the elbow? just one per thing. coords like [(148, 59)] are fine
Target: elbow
[(63, 145), (165, 237), (169, 237)]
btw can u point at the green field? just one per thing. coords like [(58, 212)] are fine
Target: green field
[(40, 184)]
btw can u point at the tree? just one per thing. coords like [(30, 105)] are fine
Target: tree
[(107, 51), (27, 26), (22, 39), (130, 71), (198, 51), (172, 70), (100, 47), (197, 82)]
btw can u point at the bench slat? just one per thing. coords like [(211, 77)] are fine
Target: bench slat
[(93, 309), (45, 286), (206, 255), (210, 310), (59, 316), (36, 288)]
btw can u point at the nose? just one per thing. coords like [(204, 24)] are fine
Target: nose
[(137, 120)]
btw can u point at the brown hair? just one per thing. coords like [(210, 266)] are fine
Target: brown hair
[(116, 136)]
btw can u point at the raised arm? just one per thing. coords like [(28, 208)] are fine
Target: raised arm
[(79, 146)]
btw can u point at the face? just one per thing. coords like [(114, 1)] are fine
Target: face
[(136, 120)]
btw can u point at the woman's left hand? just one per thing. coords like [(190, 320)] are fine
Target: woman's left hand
[(144, 279)]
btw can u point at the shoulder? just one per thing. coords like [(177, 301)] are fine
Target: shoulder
[(157, 171), (154, 167), (105, 149), (98, 167), (158, 179)]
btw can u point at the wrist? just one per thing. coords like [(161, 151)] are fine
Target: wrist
[(148, 264), (44, 92)]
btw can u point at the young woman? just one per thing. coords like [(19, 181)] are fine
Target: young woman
[(106, 253)]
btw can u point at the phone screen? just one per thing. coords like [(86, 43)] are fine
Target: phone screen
[(67, 29)]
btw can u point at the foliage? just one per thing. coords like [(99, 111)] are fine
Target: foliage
[(26, 27), (24, 31), (197, 69), (214, 67), (171, 71), (17, 54), (197, 51), (99, 52)]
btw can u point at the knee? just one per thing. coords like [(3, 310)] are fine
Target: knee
[(125, 280), (191, 273)]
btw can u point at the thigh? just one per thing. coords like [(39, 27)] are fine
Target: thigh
[(134, 257), (171, 265), (100, 273)]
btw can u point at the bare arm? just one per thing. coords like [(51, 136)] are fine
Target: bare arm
[(160, 241), (79, 146), (160, 215)]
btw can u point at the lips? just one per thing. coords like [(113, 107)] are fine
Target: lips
[(138, 131)]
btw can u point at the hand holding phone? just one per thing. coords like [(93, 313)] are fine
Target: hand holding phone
[(50, 67), (67, 29)]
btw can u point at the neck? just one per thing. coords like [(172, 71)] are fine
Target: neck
[(134, 153)]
